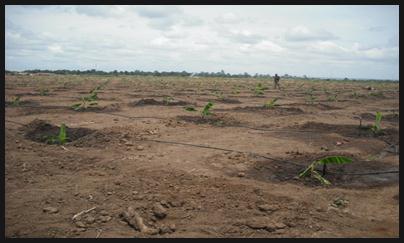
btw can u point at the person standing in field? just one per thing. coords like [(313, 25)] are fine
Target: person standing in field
[(276, 81)]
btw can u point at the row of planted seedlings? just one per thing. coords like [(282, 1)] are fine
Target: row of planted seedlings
[(91, 99)]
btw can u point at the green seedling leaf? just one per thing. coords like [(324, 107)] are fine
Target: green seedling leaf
[(62, 134), (205, 111), (335, 160), (320, 178), (376, 128), (311, 169), (44, 92), (189, 108), (76, 107), (16, 101), (271, 104), (168, 99)]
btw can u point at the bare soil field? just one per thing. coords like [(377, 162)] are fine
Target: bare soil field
[(138, 164)]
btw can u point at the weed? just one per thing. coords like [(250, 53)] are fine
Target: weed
[(271, 104), (311, 169), (61, 138), (206, 110)]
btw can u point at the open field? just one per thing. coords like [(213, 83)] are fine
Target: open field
[(231, 174)]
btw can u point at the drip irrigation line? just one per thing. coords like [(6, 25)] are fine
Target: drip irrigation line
[(277, 130), (263, 156), (130, 117), (366, 173)]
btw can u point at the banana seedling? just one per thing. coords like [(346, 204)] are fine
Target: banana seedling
[(16, 101), (89, 100), (206, 110), (59, 139), (376, 128), (311, 169), (271, 104)]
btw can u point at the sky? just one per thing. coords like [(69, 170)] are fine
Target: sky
[(318, 41)]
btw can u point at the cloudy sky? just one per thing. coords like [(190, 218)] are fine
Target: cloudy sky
[(317, 41)]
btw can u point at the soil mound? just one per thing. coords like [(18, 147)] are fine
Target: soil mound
[(40, 131), (274, 111), (144, 102), (389, 117), (389, 135), (228, 101), (214, 119), (338, 175)]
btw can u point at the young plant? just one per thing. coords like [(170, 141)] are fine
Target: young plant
[(16, 101), (333, 97), (311, 169), (189, 108), (259, 89), (310, 96), (89, 100), (206, 110), (377, 94), (168, 99), (99, 87), (236, 90), (219, 95), (44, 92), (61, 138), (376, 128), (271, 104)]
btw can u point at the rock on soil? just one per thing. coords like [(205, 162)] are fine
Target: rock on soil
[(134, 220), (50, 210), (267, 207), (159, 211), (105, 219), (80, 224), (264, 223)]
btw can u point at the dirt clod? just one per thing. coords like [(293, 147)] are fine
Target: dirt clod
[(51, 210), (159, 211), (267, 208)]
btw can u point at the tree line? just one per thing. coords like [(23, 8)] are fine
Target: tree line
[(143, 73)]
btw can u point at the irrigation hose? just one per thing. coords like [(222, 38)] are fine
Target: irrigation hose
[(264, 156), (162, 118), (251, 153)]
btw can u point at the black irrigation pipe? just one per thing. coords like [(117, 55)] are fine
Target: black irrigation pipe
[(162, 118), (263, 156), (252, 153), (131, 117)]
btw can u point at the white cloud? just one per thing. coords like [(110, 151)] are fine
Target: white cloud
[(252, 39), (55, 48), (303, 33), (228, 18)]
